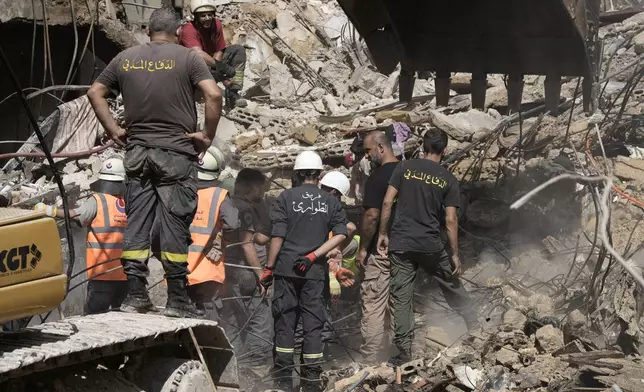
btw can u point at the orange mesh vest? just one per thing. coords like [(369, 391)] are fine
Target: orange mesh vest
[(204, 230), (105, 238)]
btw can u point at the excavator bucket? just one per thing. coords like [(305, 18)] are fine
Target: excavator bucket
[(545, 37)]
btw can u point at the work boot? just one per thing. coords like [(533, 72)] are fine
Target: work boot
[(138, 299), (401, 358), (233, 99), (179, 304)]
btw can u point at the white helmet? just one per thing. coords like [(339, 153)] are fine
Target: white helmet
[(112, 170), (336, 180), (308, 160), (202, 6), (211, 164)]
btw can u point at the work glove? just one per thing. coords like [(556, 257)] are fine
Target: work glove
[(223, 71), (345, 277), (303, 263), (48, 210), (266, 280), (334, 287)]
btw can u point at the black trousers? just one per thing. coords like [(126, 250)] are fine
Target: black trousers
[(162, 184), (205, 297), (235, 56), (241, 300), (103, 295), (295, 298)]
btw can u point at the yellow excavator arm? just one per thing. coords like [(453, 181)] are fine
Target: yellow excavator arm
[(31, 264)]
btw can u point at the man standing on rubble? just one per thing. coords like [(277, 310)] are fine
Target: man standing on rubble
[(376, 311), (216, 217), (302, 218), (205, 34), (421, 188), (157, 81), (104, 216)]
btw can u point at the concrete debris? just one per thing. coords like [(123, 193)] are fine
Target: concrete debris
[(549, 339), (629, 169), (462, 126), (283, 92)]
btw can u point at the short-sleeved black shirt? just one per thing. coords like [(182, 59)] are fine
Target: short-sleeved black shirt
[(424, 188), (374, 193), (157, 81), (304, 216)]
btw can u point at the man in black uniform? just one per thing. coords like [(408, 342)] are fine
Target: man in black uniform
[(242, 283), (302, 218), (422, 188)]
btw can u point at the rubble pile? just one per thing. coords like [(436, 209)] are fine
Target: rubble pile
[(531, 346)]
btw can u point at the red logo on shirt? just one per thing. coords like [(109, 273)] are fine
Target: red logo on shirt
[(120, 205)]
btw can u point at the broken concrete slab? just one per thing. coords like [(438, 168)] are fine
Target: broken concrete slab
[(507, 356), (462, 126), (307, 134), (549, 339), (283, 92), (629, 169), (370, 81), (514, 319)]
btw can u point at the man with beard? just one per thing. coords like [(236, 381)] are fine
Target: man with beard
[(376, 317), (205, 35)]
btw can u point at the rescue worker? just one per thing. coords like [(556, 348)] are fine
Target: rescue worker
[(376, 323), (245, 261), (157, 81), (301, 219), (216, 216), (104, 216), (421, 187), (338, 185), (205, 35)]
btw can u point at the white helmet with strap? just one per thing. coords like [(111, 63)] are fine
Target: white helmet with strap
[(336, 180), (112, 170), (308, 160), (212, 163), (202, 6)]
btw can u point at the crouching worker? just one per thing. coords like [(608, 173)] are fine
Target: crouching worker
[(205, 35), (215, 217), (301, 219), (104, 216)]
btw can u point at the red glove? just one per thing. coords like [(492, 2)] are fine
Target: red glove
[(345, 277), (304, 263), (267, 278)]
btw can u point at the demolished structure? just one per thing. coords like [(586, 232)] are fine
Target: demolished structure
[(558, 311)]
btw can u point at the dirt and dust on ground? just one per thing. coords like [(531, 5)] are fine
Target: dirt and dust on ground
[(558, 311)]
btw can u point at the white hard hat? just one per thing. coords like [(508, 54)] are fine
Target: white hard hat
[(211, 164), (202, 6), (112, 170), (336, 180), (308, 160)]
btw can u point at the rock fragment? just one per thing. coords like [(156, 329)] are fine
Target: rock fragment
[(513, 319), (629, 169), (549, 339), (507, 356)]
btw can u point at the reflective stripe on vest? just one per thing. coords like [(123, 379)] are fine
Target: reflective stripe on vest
[(105, 238), (204, 230)]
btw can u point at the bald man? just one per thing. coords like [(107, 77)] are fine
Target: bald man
[(377, 323)]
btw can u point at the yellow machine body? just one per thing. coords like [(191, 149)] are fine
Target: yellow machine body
[(31, 264)]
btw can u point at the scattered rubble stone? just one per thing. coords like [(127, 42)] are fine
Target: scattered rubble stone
[(629, 169), (549, 338), (513, 319)]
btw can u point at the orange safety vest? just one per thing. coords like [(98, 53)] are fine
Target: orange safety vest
[(105, 237), (205, 229)]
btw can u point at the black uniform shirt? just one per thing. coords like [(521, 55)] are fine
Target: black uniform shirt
[(424, 188), (304, 216), (249, 220)]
